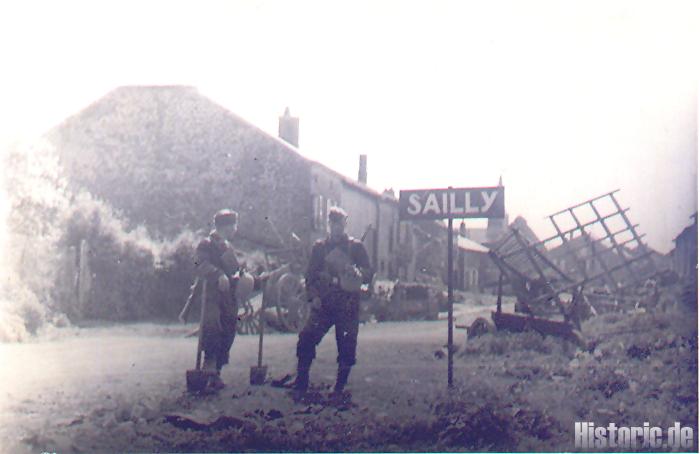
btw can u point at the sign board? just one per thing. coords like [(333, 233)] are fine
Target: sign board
[(452, 203)]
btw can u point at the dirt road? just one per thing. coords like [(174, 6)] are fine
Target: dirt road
[(122, 388)]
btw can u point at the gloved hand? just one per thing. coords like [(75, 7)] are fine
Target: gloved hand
[(224, 284)]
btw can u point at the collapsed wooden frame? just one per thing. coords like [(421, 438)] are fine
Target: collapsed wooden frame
[(541, 283)]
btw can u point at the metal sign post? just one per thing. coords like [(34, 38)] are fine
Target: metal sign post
[(451, 203), (450, 301)]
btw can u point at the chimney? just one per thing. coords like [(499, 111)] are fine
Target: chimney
[(289, 128), (362, 174)]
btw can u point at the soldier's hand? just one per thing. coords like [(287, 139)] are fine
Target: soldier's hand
[(224, 284), (316, 303), (353, 270)]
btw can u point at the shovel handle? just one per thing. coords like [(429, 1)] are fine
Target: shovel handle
[(201, 325), (261, 323)]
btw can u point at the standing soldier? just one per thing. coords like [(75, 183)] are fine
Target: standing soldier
[(338, 267), (219, 272)]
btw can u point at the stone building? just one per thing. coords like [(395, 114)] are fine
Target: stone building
[(168, 158)]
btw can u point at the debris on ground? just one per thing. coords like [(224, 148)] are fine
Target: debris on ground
[(513, 392)]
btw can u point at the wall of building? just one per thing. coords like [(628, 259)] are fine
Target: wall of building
[(270, 187), (468, 267), (387, 245), (169, 158), (685, 254)]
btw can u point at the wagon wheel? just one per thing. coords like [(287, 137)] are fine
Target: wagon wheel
[(247, 320), (479, 327), (248, 325), (292, 307)]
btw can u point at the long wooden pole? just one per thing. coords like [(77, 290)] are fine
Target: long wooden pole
[(450, 299)]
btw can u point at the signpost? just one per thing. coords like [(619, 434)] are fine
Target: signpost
[(451, 203)]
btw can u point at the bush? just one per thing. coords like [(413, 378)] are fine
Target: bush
[(133, 277)]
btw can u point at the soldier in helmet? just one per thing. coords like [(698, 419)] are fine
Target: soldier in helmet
[(338, 266), (219, 272)]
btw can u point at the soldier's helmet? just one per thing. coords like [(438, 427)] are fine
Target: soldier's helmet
[(336, 213), (225, 217)]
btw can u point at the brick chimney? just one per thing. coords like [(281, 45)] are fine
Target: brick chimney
[(362, 173), (289, 128)]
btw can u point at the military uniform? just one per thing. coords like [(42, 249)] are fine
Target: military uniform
[(216, 257), (338, 307)]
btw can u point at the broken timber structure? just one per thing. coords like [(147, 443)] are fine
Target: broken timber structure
[(595, 246)]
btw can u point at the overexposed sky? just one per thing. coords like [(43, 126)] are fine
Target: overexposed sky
[(565, 99)]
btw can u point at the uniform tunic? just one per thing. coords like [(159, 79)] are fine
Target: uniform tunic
[(338, 307), (216, 257)]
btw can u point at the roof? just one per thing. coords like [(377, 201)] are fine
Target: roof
[(477, 234), (153, 140), (349, 182), (468, 245), (174, 93)]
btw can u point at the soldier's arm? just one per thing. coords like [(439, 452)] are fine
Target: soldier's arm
[(361, 259), (313, 272), (260, 280), (203, 263)]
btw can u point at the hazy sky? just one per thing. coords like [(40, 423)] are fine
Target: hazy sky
[(565, 99)]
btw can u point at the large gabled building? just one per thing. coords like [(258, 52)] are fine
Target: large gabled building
[(168, 158)]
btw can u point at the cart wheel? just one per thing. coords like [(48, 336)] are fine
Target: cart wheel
[(478, 328), (248, 325), (247, 320), (292, 307)]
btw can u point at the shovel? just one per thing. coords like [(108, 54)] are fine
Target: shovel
[(259, 373), (197, 378)]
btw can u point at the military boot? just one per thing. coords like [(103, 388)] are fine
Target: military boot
[(341, 379), (301, 383), (215, 381)]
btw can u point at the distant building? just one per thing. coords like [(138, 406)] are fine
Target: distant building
[(685, 253), (495, 229), (470, 262), (584, 256), (489, 272)]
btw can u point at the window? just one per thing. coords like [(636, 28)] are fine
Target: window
[(329, 203), (318, 213), (321, 206)]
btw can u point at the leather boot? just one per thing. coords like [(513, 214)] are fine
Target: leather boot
[(302, 382), (215, 381), (341, 379)]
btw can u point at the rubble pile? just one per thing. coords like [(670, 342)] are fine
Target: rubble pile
[(641, 367)]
